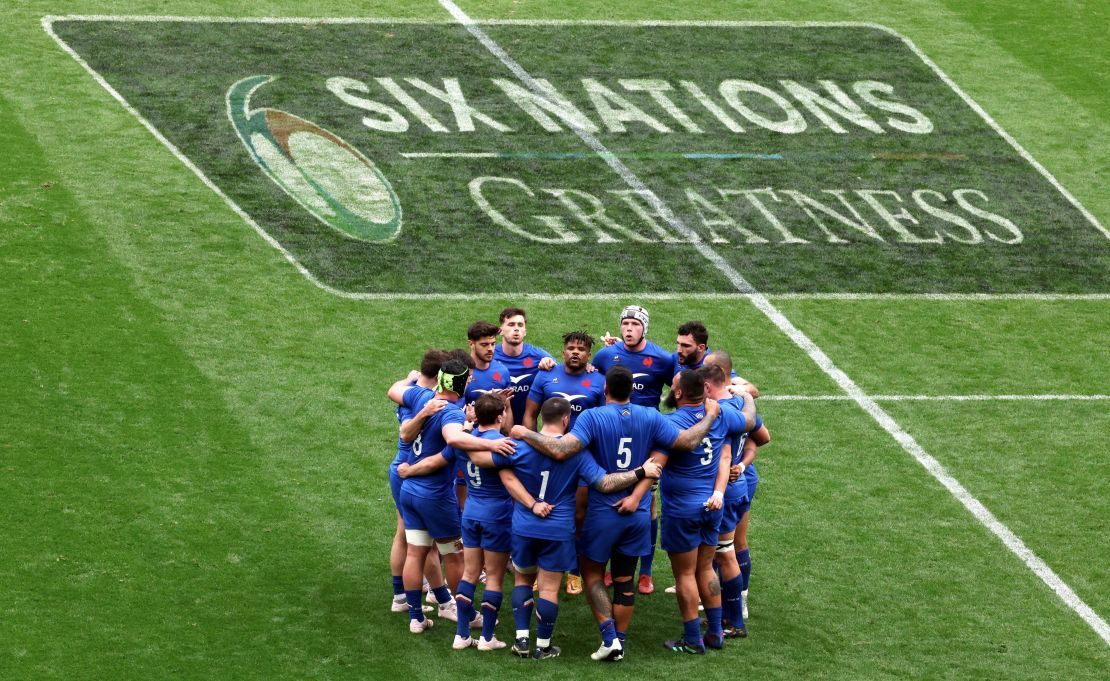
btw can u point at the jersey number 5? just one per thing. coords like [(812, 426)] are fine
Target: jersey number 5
[(624, 452)]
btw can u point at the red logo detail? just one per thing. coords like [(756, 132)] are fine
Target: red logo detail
[(648, 361), (585, 383), (528, 361), (497, 375)]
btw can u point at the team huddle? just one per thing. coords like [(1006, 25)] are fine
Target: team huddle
[(506, 456)]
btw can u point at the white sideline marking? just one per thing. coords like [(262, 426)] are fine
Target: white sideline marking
[(939, 398), (977, 509)]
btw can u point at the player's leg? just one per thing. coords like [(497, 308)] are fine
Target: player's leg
[(524, 570), (646, 584), (419, 542), (680, 538), (574, 577), (731, 585), (496, 563), (547, 612), (744, 558), (397, 552), (709, 589), (473, 558)]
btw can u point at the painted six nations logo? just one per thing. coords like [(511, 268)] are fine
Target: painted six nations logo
[(826, 157)]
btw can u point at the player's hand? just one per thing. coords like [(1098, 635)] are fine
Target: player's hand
[(403, 470), (609, 340), (742, 389), (432, 407), (547, 364), (413, 375), (715, 502), (590, 368), (734, 473), (652, 469), (519, 432), (627, 505), (505, 394), (542, 509), (503, 446), (712, 408)]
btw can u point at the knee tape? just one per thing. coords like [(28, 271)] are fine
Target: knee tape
[(622, 565), (726, 546)]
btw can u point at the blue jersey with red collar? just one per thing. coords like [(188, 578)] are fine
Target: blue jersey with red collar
[(652, 368), (583, 391), (522, 372), (493, 377)]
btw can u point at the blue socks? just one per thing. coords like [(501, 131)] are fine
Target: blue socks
[(647, 559), (730, 601), (491, 605), (546, 614), (522, 607), (608, 631), (692, 632), (412, 597), (745, 560), (398, 585), (443, 594), (714, 617), (464, 600)]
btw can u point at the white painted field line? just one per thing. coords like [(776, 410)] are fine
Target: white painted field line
[(764, 305), (940, 398)]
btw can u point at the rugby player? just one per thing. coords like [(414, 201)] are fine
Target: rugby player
[(425, 381), (620, 435), (573, 381), (652, 368), (691, 349), (692, 490), (523, 360), (428, 504), (746, 469), (543, 521), (736, 496), (486, 532)]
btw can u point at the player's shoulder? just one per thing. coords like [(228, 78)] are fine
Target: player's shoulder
[(535, 351)]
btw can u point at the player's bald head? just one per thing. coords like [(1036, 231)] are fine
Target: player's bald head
[(720, 358)]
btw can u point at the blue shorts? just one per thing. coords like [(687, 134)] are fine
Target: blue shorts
[(606, 532), (732, 512), (488, 535), (679, 535), (439, 517), (553, 555), (395, 486)]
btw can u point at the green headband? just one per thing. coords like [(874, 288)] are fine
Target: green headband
[(455, 383)]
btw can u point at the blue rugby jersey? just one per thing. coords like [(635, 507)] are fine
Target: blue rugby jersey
[(413, 400), (583, 391), (555, 482), (689, 477), (493, 377), (652, 368), (522, 373), (486, 497), (431, 442), (621, 437), (731, 411)]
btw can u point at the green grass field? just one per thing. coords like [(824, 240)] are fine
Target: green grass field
[(194, 436)]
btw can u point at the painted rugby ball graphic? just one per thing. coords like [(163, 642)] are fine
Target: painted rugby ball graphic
[(324, 174)]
